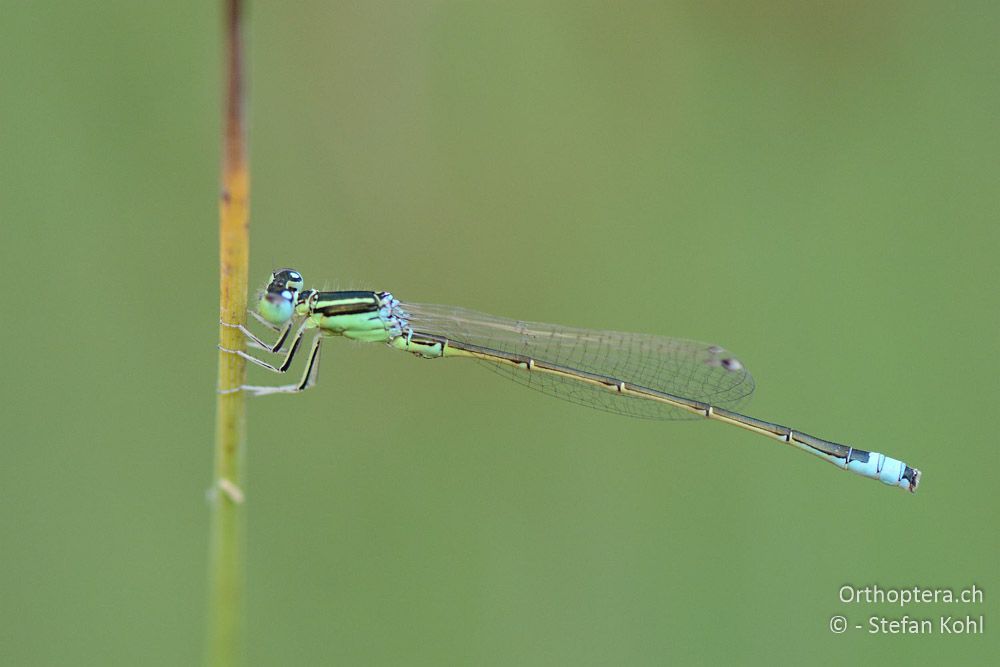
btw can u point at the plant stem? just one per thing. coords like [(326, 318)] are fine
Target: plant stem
[(226, 576)]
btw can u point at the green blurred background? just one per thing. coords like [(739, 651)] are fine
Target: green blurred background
[(811, 184)]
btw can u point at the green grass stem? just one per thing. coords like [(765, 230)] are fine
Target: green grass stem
[(227, 540)]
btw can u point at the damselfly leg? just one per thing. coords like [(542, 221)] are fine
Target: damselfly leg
[(312, 365), (287, 362), (256, 341), (309, 376)]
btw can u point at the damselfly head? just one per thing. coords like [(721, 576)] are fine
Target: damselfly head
[(285, 279), (277, 302)]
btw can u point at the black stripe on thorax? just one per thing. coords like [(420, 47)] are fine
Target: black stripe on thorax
[(345, 303)]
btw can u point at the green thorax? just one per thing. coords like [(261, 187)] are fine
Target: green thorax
[(360, 315)]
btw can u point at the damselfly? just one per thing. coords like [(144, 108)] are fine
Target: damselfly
[(637, 375)]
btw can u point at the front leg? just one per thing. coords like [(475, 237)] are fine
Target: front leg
[(257, 342), (288, 357)]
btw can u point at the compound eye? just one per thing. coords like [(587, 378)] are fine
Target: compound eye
[(276, 308), (286, 279)]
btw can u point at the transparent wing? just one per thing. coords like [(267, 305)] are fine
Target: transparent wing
[(687, 368)]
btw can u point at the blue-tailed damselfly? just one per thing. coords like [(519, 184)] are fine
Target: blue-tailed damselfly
[(637, 375)]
